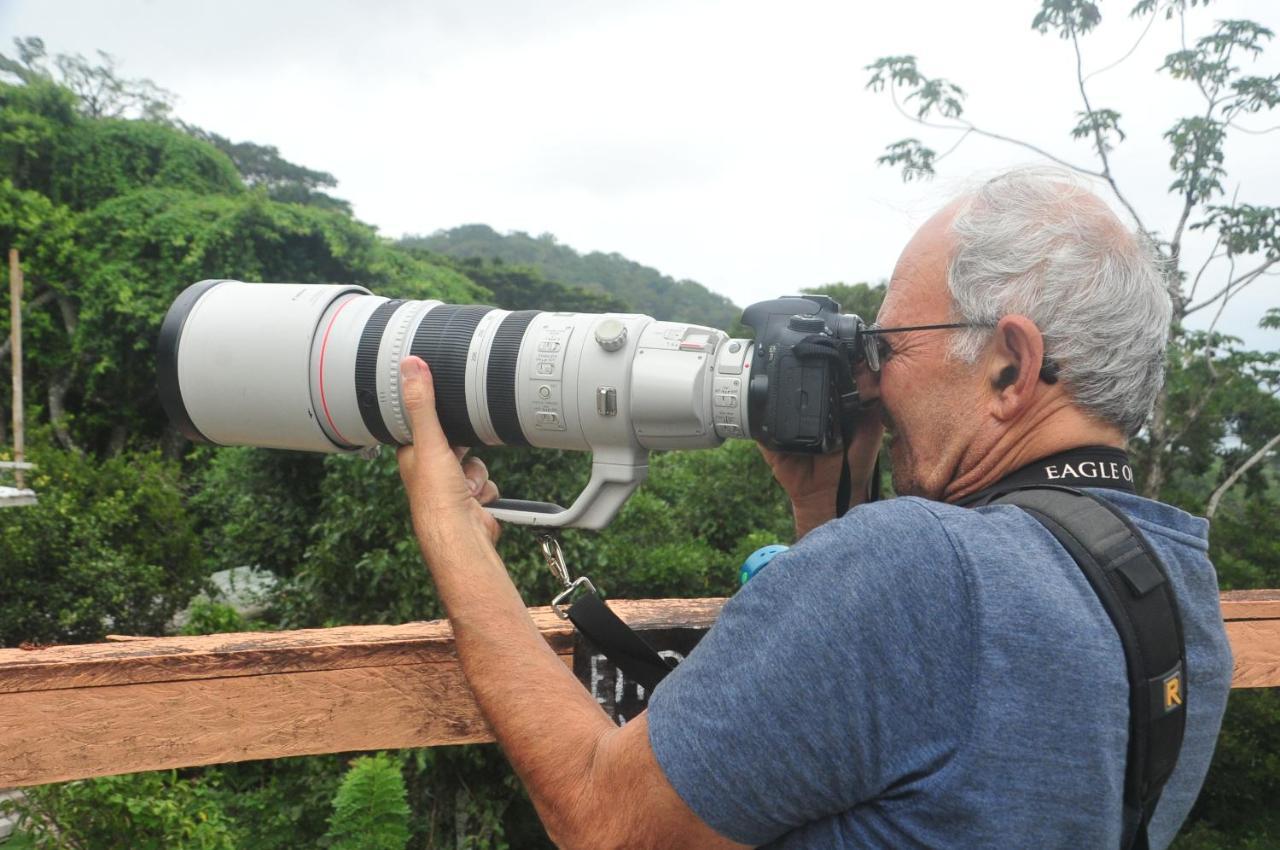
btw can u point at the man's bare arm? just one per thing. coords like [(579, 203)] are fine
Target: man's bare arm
[(594, 785)]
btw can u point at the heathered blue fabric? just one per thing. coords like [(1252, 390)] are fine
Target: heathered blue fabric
[(921, 675)]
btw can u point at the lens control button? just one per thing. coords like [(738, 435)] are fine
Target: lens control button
[(611, 334), (544, 391), (547, 419), (607, 401)]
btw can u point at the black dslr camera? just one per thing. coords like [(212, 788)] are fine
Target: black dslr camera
[(802, 396)]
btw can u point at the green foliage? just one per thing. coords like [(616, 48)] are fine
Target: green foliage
[(647, 290), (516, 287), (362, 564), (369, 810), (108, 547), (206, 617), (262, 165), (279, 804), (254, 507), (1237, 807), (861, 299), (1068, 17), (100, 160), (142, 811)]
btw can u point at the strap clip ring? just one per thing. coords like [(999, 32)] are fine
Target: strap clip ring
[(557, 603)]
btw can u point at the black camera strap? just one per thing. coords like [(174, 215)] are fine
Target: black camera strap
[(1134, 589), (597, 622), (1087, 466)]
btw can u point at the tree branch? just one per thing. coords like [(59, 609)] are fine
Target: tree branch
[(1231, 288), (1097, 135), (1213, 255), (1235, 476), (1127, 54), (968, 127)]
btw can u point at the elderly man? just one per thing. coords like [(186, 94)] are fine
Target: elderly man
[(916, 673)]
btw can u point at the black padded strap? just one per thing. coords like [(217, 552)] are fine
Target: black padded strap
[(1137, 595), (618, 641)]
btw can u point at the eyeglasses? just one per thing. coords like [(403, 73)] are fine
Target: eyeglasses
[(876, 349)]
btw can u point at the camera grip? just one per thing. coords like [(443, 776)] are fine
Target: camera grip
[(608, 489)]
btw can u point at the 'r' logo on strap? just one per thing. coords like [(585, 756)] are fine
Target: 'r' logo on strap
[(1172, 692)]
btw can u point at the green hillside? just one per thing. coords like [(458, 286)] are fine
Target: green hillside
[(645, 289)]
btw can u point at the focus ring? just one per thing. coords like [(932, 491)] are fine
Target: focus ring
[(443, 339), (367, 370), (501, 374)]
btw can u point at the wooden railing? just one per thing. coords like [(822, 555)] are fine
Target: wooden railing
[(69, 712)]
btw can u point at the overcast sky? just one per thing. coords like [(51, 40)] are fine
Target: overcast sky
[(732, 143)]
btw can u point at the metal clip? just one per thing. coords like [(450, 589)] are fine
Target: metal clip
[(554, 556), (580, 581)]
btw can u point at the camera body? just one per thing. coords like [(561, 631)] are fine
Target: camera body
[(802, 387)]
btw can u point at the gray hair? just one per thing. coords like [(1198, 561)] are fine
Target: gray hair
[(1034, 242)]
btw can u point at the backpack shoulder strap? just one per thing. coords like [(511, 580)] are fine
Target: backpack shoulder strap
[(1136, 593)]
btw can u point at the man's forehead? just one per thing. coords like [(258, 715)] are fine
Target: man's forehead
[(918, 292)]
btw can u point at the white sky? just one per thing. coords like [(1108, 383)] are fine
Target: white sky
[(731, 143)]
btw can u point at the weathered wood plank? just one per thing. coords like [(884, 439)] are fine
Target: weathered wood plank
[(122, 662), (1255, 647), (79, 711), (1251, 605), (50, 736)]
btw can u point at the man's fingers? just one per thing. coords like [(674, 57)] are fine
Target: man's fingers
[(420, 403), (489, 493), (477, 474)]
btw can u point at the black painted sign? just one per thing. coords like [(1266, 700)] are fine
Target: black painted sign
[(620, 697)]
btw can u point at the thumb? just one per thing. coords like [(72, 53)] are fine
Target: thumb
[(419, 396)]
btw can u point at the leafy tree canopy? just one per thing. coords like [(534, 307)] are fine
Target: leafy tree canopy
[(646, 289)]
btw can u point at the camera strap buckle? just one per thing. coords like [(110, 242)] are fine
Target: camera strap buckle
[(595, 621), (554, 557)]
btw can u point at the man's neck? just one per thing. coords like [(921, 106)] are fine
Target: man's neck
[(1054, 429)]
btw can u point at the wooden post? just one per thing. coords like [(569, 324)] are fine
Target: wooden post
[(15, 357), (72, 712)]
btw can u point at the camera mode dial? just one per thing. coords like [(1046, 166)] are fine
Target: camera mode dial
[(807, 324)]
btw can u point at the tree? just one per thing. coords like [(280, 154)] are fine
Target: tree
[(99, 90), (262, 165), (646, 289), (1246, 236), (862, 299)]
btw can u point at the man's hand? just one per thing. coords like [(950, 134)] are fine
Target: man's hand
[(446, 489), (812, 480)]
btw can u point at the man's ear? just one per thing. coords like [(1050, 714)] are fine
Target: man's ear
[(1013, 366)]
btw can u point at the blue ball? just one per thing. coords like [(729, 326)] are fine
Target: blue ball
[(758, 560)]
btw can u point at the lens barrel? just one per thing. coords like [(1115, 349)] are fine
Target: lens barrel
[(233, 361), (316, 367)]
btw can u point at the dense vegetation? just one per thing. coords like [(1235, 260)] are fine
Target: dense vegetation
[(116, 207), (645, 289)]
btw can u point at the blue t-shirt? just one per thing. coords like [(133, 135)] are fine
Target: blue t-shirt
[(917, 674)]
